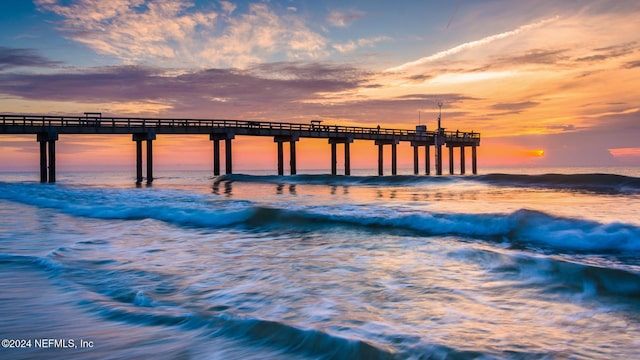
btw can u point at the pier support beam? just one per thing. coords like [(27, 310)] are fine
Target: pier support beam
[(380, 159), (462, 160), (438, 156), (334, 159), (292, 158), (52, 161), (139, 138), (291, 139), (347, 158), (47, 142), (415, 160), (439, 141), (43, 160), (394, 155), (138, 161), (280, 158), (228, 161), (474, 163), (227, 137), (216, 157), (347, 154), (416, 157), (394, 159), (450, 160), (427, 160), (149, 161)]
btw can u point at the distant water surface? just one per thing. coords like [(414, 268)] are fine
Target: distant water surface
[(505, 265)]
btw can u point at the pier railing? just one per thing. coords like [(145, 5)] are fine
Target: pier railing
[(100, 122)]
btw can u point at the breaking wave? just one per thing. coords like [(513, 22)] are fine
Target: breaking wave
[(522, 228), (594, 183), (597, 183)]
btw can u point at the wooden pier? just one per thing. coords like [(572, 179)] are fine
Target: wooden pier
[(48, 128)]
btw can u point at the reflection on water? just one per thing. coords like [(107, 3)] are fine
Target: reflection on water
[(227, 185), (291, 188)]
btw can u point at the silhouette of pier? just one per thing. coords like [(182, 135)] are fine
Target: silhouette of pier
[(47, 129)]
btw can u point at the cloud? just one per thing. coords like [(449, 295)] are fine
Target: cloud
[(282, 91), (472, 44), (341, 19), (13, 58), (632, 64), (132, 30), (267, 87), (228, 7), (569, 127), (519, 106), (176, 33), (535, 56), (610, 52), (419, 78), (309, 71), (626, 154), (360, 43), (262, 34)]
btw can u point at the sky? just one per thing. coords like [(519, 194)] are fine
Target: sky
[(546, 82)]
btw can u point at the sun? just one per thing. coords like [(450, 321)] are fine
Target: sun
[(533, 153)]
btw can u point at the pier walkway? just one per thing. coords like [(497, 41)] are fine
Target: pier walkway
[(47, 129)]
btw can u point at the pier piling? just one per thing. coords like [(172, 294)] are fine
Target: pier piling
[(416, 157), (462, 161), (139, 138), (228, 161), (227, 136), (43, 160), (292, 157), (394, 155), (474, 161), (138, 161), (416, 170), (451, 160), (280, 140), (47, 142), (216, 157), (347, 154), (427, 160)]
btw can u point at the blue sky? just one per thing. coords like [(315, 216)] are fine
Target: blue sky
[(529, 75), (334, 30)]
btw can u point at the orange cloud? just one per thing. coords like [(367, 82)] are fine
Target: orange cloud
[(625, 152), (626, 155)]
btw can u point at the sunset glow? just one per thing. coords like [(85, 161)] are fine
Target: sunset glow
[(546, 83)]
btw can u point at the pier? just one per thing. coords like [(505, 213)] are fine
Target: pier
[(48, 128)]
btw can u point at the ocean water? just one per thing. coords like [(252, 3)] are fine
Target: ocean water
[(510, 265)]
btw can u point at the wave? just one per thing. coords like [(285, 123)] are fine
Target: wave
[(114, 295), (123, 301), (556, 274), (595, 183), (522, 228), (115, 298), (170, 206)]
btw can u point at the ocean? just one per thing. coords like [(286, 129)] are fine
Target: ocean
[(524, 264)]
